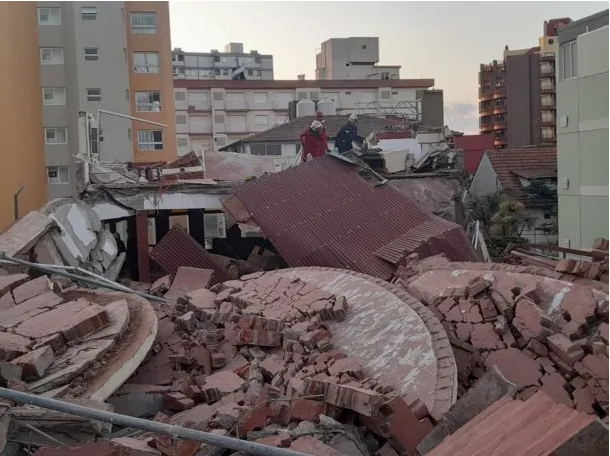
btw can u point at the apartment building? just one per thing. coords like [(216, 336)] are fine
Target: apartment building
[(352, 58), (517, 94), (232, 64), (582, 131), (104, 56), (24, 179), (211, 114)]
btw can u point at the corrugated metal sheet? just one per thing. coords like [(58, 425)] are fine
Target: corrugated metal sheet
[(513, 428), (178, 248), (322, 213)]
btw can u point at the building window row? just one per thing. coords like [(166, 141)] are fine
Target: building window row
[(569, 58), (148, 101), (146, 62), (150, 140), (143, 23), (49, 16), (51, 56), (58, 175), (54, 96), (56, 135)]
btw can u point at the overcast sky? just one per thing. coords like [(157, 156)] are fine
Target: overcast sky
[(442, 40)]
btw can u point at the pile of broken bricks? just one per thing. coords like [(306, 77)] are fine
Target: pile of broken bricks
[(542, 334), (254, 359)]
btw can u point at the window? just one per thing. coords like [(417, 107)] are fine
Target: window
[(218, 96), (261, 98), (261, 120), (56, 135), (225, 72), (257, 60), (180, 96), (216, 58), (148, 101), (385, 95), (150, 140), (569, 56), (219, 118), (180, 119), (49, 16), (58, 175), (94, 94), (88, 13), (146, 62), (250, 72), (348, 93), (143, 23), (91, 54), (183, 142), (224, 59), (258, 72), (53, 95), (266, 149), (385, 75), (217, 71), (51, 56)]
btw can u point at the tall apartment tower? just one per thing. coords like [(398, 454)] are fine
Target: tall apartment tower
[(517, 94), (110, 56), (232, 64), (21, 140), (352, 58)]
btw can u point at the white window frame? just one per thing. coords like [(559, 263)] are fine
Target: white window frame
[(55, 90), (146, 141), (142, 28), (569, 60), (55, 51), (148, 105), (49, 11), (146, 67), (57, 180), (91, 54), (88, 13), (92, 95), (259, 117), (47, 130)]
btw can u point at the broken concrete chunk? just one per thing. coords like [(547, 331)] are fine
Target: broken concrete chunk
[(31, 289), (35, 363), (13, 346)]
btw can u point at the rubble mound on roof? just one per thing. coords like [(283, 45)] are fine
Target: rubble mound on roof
[(71, 342), (542, 333), (258, 358)]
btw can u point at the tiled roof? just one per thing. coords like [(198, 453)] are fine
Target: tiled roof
[(290, 131), (278, 84), (511, 427), (322, 213), (508, 163)]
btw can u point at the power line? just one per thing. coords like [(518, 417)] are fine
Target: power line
[(219, 21)]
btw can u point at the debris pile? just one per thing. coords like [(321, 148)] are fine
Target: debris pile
[(542, 333), (64, 232), (254, 358)]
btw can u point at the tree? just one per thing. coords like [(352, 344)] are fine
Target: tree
[(541, 195), (482, 207), (510, 220)]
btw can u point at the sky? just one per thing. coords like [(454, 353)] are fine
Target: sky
[(446, 41)]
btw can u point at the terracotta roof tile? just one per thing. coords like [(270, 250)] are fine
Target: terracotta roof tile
[(509, 163), (322, 213)]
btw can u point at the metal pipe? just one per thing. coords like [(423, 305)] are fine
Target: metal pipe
[(146, 425), (16, 202), (99, 283)]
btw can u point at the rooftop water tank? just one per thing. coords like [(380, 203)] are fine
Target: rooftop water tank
[(327, 107), (306, 108)]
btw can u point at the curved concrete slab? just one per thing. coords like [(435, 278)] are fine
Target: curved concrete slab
[(396, 338)]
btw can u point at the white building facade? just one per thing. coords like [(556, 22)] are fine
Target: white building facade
[(211, 114)]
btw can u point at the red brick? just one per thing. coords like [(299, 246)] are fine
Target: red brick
[(484, 337), (404, 429), (202, 358), (35, 363), (488, 309), (13, 346), (278, 441), (596, 365), (312, 446), (517, 367), (584, 399), (307, 410), (528, 319), (29, 309), (349, 366), (554, 386), (11, 281), (127, 446), (365, 402), (569, 352), (580, 304), (31, 289), (255, 420), (177, 402), (537, 347)]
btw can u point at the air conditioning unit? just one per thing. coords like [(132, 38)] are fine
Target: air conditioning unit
[(214, 226)]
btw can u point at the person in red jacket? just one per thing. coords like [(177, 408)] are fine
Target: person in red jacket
[(320, 118), (313, 141)]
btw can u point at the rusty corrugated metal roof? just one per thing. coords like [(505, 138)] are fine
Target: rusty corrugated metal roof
[(178, 248), (322, 213), (514, 428)]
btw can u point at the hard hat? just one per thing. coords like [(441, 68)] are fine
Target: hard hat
[(316, 124), (353, 118)]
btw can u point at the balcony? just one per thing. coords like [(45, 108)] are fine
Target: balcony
[(486, 111), (486, 94), (547, 104), (548, 121), (499, 125), (486, 128), (500, 141), (499, 93), (547, 70), (547, 88), (547, 56), (500, 109)]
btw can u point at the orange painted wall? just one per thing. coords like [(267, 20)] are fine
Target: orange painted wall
[(21, 133), (163, 81)]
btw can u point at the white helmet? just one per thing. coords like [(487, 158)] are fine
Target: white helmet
[(353, 118), (316, 124)]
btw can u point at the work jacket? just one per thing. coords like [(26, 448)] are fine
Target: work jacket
[(314, 143), (345, 137)]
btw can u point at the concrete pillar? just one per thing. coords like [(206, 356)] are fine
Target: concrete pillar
[(142, 245), (196, 228)]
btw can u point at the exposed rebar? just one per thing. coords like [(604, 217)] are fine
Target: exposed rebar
[(230, 443)]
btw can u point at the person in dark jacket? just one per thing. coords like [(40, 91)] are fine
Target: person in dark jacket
[(313, 141), (347, 135)]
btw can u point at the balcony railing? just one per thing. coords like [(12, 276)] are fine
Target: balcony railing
[(499, 93), (486, 94)]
